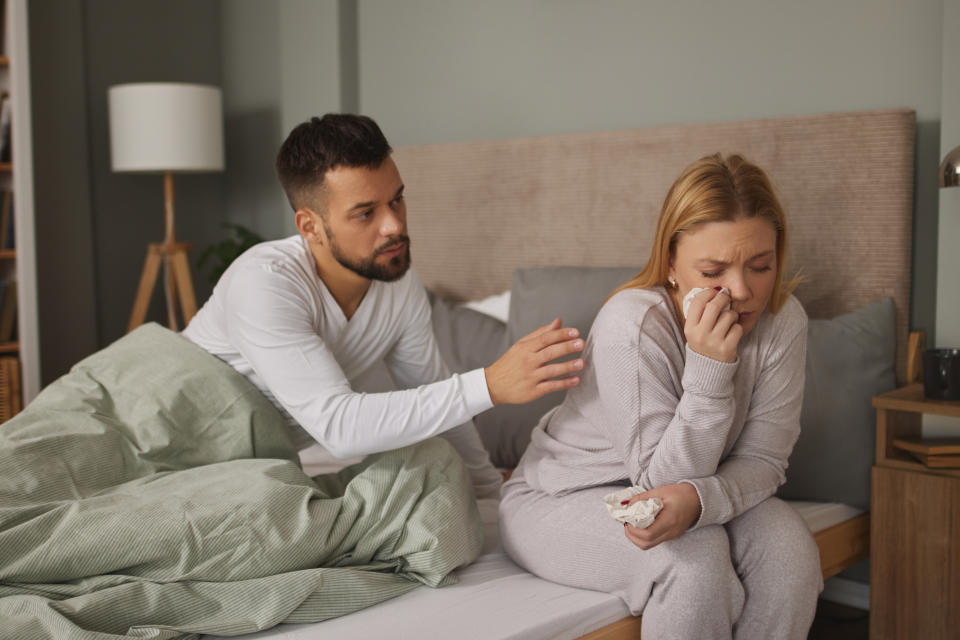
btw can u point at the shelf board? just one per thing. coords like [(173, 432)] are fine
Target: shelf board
[(9, 347), (910, 398), (4, 61), (907, 463), (6, 166), (8, 254)]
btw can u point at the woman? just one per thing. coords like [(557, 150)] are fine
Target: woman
[(700, 410)]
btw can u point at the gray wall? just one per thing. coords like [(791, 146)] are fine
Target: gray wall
[(93, 225), (441, 71), (948, 285), (452, 70), (66, 277), (178, 40), (430, 71), (291, 74), (948, 289)]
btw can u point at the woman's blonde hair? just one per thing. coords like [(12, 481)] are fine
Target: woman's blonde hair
[(716, 189)]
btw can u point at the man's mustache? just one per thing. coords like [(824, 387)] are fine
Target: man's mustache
[(403, 239)]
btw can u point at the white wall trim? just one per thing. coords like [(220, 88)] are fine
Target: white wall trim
[(27, 321)]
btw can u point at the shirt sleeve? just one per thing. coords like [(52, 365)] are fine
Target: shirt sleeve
[(269, 319), (757, 463), (669, 428), (416, 360)]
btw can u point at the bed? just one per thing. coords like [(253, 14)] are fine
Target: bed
[(510, 215)]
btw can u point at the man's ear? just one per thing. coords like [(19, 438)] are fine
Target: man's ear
[(309, 226)]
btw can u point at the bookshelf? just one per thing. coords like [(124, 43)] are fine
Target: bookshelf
[(18, 262)]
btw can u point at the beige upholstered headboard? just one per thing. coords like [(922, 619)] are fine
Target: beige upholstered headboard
[(477, 210)]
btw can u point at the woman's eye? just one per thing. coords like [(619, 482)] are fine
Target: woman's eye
[(711, 275), (761, 269)]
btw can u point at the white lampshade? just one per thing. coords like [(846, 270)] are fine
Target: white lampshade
[(165, 126)]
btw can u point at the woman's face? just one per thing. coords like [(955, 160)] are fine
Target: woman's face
[(740, 255)]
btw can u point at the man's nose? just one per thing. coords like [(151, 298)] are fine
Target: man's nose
[(391, 224)]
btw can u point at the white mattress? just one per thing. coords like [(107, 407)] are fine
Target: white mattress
[(497, 600)]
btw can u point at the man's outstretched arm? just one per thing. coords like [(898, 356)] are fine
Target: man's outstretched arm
[(274, 333)]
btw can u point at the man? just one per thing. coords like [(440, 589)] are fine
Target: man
[(306, 318)]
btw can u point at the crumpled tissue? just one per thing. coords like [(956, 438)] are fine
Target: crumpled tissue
[(687, 299), (640, 514)]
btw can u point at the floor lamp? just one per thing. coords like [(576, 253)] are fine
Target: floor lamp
[(165, 127)]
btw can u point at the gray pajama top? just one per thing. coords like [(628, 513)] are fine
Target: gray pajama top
[(650, 411)]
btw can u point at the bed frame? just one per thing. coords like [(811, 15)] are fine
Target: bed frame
[(478, 210)]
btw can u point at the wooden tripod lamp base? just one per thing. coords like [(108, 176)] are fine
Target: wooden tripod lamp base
[(179, 284), (173, 256)]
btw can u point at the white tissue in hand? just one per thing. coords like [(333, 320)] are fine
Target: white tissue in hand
[(687, 299), (640, 514)]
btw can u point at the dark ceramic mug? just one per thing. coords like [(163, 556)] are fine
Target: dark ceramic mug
[(941, 374)]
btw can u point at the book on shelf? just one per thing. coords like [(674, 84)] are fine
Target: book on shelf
[(3, 28), (933, 452), (10, 400), (8, 313), (6, 220), (5, 127)]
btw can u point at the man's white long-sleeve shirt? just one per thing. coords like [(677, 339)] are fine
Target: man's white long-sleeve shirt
[(273, 319)]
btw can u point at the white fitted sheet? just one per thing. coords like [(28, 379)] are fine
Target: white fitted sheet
[(497, 600)]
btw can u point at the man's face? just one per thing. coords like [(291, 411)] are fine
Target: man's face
[(365, 221)]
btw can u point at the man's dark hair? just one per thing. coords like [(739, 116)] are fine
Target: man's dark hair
[(322, 144)]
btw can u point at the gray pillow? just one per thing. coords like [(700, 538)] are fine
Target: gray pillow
[(850, 359), (537, 296), (574, 294), (469, 339)]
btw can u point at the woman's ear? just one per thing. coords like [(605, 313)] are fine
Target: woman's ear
[(671, 274)]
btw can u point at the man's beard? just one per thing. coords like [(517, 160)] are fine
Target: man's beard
[(369, 268)]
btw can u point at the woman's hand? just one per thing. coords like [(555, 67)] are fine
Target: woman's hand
[(712, 331), (681, 508)]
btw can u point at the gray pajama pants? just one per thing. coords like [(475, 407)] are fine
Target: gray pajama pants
[(756, 577)]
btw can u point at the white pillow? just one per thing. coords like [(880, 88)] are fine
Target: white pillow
[(497, 306)]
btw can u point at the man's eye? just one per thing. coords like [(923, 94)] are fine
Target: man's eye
[(363, 215), (398, 199)]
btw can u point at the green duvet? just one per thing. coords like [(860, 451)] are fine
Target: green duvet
[(152, 493)]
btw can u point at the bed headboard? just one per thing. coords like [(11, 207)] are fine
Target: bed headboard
[(478, 210)]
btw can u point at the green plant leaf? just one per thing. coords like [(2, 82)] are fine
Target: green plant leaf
[(219, 256)]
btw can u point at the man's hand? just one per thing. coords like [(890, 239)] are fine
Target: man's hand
[(524, 372), (681, 508)]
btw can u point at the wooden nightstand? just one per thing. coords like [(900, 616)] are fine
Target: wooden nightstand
[(915, 532)]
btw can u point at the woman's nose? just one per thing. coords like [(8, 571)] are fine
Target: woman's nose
[(738, 288)]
